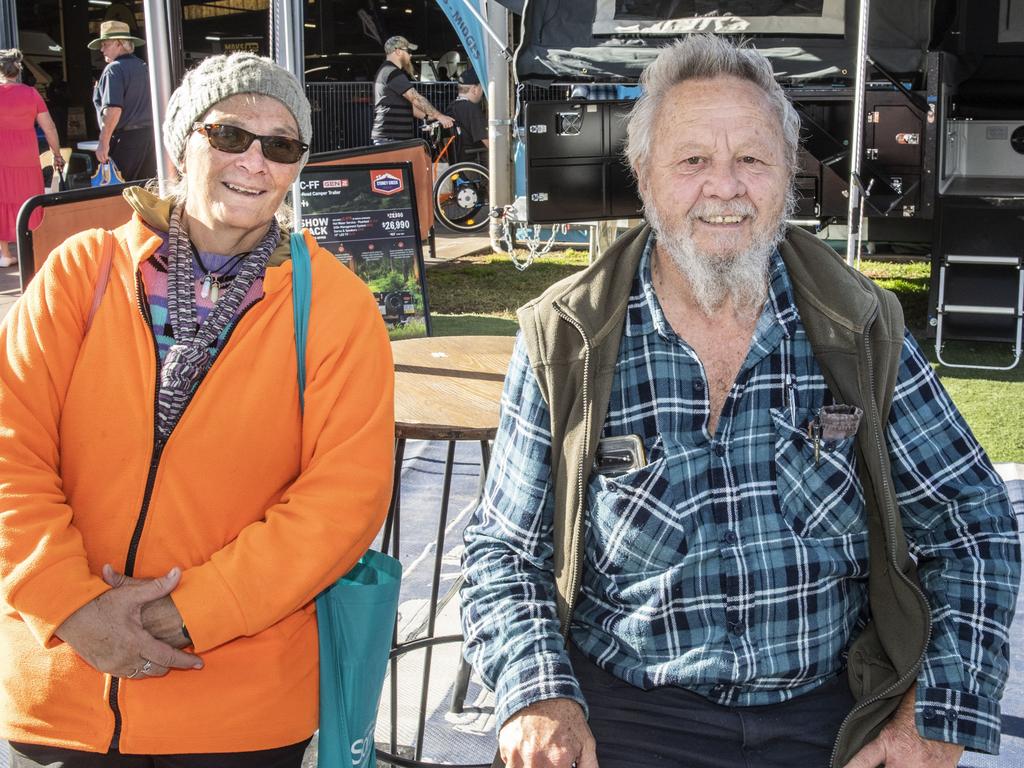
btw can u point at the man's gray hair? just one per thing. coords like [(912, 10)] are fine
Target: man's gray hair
[(698, 57), (129, 46)]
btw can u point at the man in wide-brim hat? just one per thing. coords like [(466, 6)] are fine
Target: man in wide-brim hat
[(122, 102), (115, 30)]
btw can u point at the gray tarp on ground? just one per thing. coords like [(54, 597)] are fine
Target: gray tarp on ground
[(560, 42)]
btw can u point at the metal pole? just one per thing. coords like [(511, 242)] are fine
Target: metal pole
[(63, 45), (499, 154), (286, 35), (288, 49), (857, 139), (502, 44), (8, 24), (176, 52), (161, 82)]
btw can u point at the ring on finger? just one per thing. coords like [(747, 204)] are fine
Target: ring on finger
[(146, 667)]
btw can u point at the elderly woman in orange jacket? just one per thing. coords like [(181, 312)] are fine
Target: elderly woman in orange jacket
[(167, 512)]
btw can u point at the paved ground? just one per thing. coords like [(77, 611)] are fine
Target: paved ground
[(452, 246), (10, 288)]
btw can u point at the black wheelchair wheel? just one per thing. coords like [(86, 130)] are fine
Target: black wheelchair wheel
[(461, 197)]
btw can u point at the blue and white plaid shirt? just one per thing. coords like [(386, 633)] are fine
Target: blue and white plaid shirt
[(735, 564)]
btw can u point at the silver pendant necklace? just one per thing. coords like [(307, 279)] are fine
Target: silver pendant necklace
[(210, 289)]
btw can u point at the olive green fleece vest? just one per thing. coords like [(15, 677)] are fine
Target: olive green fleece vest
[(572, 333)]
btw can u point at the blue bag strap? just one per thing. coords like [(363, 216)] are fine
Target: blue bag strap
[(302, 289)]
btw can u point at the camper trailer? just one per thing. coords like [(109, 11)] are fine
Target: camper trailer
[(913, 128)]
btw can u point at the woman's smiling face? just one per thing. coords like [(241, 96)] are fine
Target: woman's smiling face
[(235, 196)]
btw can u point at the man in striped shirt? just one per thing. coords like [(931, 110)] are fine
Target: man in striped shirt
[(396, 101), (732, 518)]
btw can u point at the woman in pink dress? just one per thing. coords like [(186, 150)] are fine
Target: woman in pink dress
[(21, 107)]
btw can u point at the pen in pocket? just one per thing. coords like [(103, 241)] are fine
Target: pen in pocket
[(791, 392)]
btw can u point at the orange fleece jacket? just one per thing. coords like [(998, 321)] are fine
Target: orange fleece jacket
[(261, 506)]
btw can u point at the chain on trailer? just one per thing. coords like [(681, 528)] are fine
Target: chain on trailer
[(511, 221)]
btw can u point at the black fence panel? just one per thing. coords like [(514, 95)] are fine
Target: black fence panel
[(343, 112), (342, 115)]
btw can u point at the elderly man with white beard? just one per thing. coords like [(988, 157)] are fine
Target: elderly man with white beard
[(732, 518)]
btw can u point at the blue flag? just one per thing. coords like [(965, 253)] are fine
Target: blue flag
[(470, 32)]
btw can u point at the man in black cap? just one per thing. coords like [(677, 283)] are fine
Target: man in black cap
[(470, 122), (123, 109), (395, 99)]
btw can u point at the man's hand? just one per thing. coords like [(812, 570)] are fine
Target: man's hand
[(111, 117), (548, 734), (108, 633), (900, 746), (446, 121), (160, 618)]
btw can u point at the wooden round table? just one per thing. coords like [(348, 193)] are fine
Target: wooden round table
[(449, 387), (446, 388)]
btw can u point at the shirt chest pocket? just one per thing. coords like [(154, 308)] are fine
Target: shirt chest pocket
[(634, 526), (819, 492)]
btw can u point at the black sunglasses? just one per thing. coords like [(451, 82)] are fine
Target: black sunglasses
[(231, 138)]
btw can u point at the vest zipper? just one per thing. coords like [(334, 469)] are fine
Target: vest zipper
[(575, 562), (891, 536)]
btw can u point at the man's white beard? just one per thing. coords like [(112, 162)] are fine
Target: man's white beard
[(741, 276)]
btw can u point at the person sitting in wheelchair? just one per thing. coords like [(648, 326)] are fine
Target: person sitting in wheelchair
[(470, 122)]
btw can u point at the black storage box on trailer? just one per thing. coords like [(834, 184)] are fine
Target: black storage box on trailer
[(575, 169)]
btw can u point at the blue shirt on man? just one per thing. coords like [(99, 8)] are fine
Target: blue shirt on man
[(735, 565), (124, 83)]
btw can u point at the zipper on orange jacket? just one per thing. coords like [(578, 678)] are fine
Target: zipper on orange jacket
[(154, 465)]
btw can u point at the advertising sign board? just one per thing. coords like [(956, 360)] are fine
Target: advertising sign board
[(366, 216)]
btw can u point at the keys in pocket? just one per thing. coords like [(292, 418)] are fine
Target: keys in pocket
[(831, 423)]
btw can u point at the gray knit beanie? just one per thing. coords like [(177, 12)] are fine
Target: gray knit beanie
[(218, 77)]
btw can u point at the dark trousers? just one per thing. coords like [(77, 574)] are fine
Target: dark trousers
[(134, 153), (670, 726), (35, 756)]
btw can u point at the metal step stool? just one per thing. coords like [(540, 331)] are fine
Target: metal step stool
[(1007, 263)]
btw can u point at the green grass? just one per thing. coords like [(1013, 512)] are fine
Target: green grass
[(473, 325), (411, 330), (479, 295), (992, 402), (909, 281), (491, 285)]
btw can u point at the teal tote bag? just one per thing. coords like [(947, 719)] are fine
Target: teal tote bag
[(355, 615)]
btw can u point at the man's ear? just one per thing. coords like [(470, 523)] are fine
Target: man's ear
[(642, 187)]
